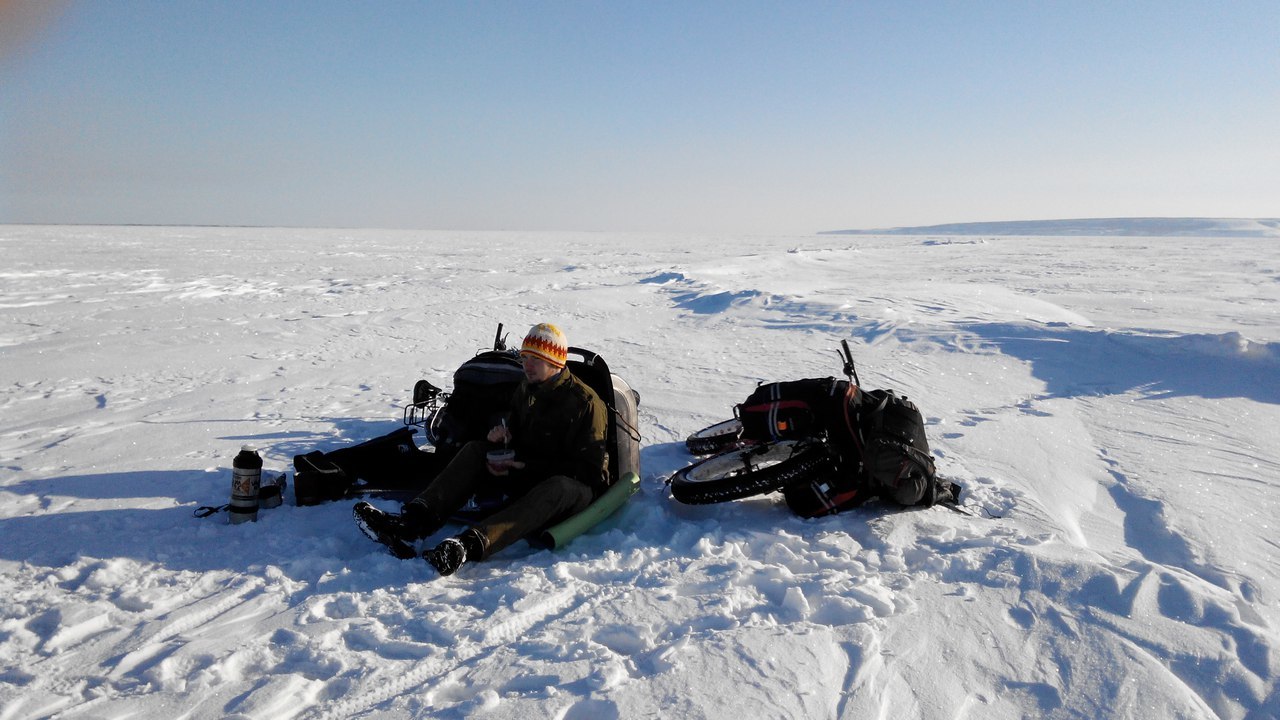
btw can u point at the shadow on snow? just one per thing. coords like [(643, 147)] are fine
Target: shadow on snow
[(1077, 362)]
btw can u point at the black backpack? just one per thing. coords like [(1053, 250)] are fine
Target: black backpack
[(895, 454), (883, 453), (481, 395)]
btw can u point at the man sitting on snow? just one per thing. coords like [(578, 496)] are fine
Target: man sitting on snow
[(557, 429)]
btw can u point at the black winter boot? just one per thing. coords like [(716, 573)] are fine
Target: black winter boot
[(450, 554), (385, 528)]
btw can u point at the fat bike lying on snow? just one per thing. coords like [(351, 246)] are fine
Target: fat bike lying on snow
[(825, 443)]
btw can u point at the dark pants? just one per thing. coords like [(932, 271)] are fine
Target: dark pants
[(544, 504)]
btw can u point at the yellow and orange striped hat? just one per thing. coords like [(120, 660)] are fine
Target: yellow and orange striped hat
[(547, 342)]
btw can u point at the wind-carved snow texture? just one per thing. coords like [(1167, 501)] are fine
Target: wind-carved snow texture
[(1109, 405)]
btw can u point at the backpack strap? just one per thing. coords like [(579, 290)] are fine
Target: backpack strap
[(850, 423), (854, 425)]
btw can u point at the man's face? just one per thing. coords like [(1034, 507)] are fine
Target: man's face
[(536, 369)]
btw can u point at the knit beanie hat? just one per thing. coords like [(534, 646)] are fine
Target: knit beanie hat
[(547, 342)]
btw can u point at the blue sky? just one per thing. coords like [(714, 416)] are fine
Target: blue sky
[(735, 117)]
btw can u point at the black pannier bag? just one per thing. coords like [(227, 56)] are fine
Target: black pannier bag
[(829, 493), (389, 463)]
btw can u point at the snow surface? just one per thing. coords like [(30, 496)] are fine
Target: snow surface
[(1115, 401)]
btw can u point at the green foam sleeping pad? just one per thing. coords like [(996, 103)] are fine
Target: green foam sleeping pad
[(602, 507)]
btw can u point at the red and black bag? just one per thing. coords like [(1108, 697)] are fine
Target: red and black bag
[(795, 409)]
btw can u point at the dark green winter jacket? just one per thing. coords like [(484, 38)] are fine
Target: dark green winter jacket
[(558, 427)]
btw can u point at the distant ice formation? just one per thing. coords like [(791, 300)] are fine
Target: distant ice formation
[(1096, 227)]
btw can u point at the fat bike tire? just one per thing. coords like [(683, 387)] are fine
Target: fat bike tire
[(714, 439), (754, 470)]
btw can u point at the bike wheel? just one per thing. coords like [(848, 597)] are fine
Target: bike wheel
[(714, 439), (750, 471)]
